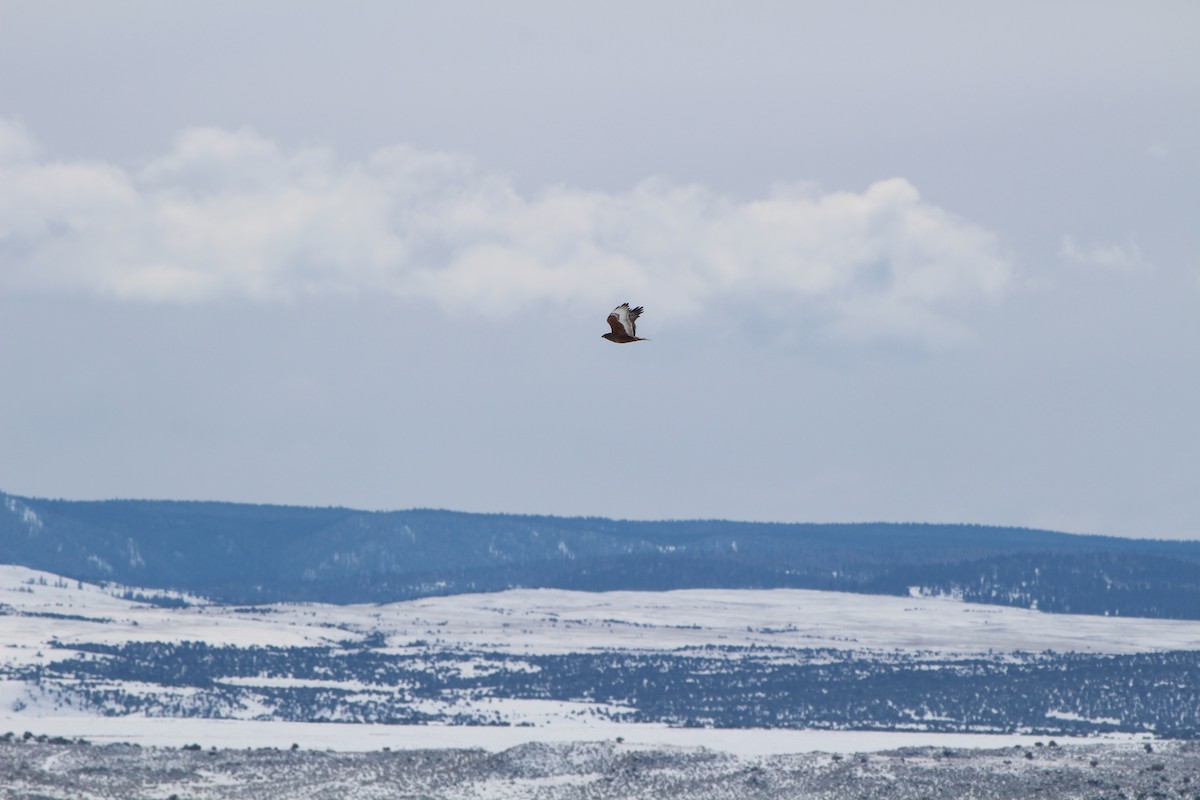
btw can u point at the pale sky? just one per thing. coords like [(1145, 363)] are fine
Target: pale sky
[(904, 262)]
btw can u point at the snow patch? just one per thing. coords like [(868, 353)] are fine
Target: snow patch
[(100, 563), (227, 733), (1071, 716), (28, 517)]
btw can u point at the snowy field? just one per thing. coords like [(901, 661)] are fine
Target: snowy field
[(32, 770), (240, 734), (38, 609), (559, 621)]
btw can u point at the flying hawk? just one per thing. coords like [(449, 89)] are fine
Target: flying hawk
[(623, 321)]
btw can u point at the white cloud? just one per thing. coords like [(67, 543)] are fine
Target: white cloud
[(231, 213), (1120, 258)]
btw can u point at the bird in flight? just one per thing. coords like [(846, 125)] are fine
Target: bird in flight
[(623, 321)]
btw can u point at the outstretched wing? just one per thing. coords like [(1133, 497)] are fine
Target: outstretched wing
[(633, 317), (624, 320)]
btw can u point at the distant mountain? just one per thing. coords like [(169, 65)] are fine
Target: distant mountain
[(257, 553)]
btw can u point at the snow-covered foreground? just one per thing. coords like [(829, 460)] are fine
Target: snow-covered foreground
[(32, 770)]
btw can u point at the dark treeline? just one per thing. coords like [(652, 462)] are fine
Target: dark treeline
[(258, 554), (1048, 693)]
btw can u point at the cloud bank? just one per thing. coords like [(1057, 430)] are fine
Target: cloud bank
[(231, 213)]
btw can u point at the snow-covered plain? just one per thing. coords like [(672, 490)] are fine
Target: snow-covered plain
[(240, 734), (558, 621), (38, 609)]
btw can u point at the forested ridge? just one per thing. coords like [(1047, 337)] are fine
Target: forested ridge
[(258, 553)]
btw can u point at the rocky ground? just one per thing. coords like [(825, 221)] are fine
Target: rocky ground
[(54, 769)]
